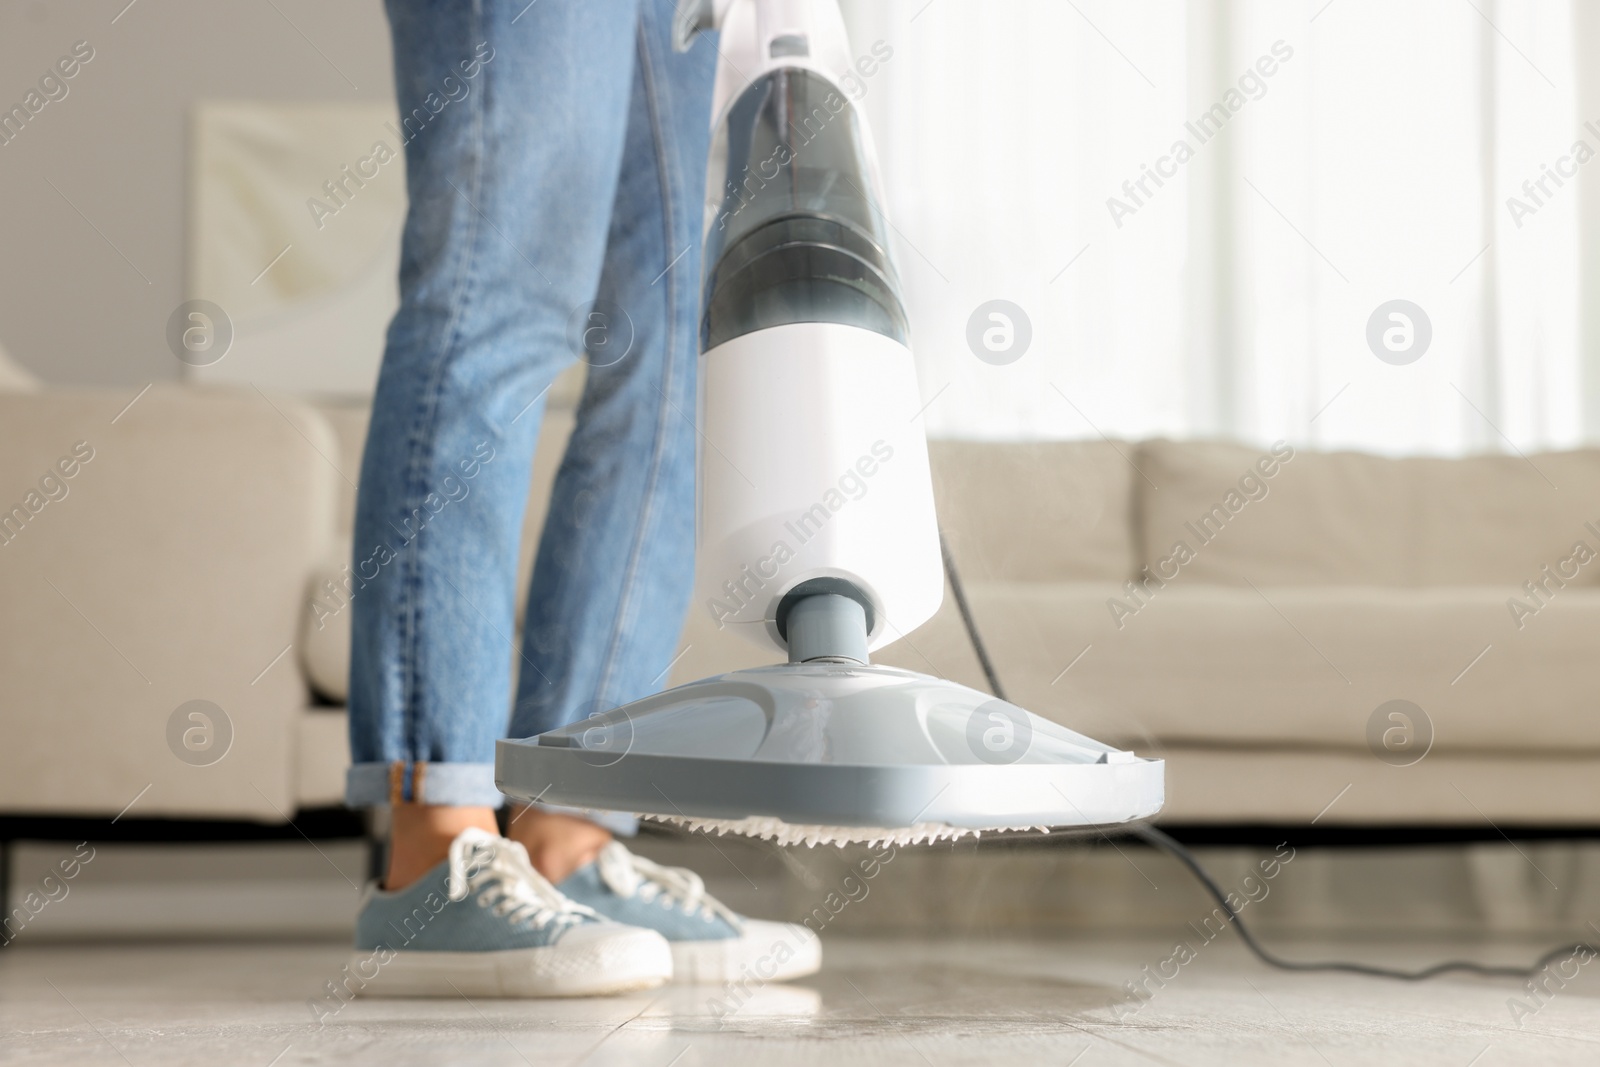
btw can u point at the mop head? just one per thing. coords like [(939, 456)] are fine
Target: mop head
[(829, 755), (785, 833)]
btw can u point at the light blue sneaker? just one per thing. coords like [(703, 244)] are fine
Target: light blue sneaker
[(484, 923), (710, 942)]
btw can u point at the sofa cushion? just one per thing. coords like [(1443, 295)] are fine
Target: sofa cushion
[(322, 756), (1343, 518), (1502, 518), (1296, 786), (1234, 669), (1233, 666), (324, 638), (349, 425), (166, 569), (1050, 510)]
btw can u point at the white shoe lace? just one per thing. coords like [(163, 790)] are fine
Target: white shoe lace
[(500, 873), (629, 875)]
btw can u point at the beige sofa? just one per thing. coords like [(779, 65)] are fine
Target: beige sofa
[(1311, 591)]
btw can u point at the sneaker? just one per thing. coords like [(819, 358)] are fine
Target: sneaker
[(484, 923), (710, 943)]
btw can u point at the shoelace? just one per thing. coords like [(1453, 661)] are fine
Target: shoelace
[(628, 875), (499, 870)]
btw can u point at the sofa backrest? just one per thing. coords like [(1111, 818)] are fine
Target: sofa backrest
[(1040, 511), (1101, 510), (1345, 518)]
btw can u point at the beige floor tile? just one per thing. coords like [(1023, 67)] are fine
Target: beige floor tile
[(911, 1002)]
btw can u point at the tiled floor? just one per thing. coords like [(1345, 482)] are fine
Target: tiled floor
[(1015, 1002)]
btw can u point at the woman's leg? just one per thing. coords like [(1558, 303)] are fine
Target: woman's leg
[(514, 117), (615, 565)]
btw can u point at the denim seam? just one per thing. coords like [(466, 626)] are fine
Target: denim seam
[(652, 476), (424, 430)]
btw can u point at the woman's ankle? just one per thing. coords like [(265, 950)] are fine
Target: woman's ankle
[(557, 844), (420, 836)]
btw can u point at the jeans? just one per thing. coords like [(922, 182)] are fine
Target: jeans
[(555, 161)]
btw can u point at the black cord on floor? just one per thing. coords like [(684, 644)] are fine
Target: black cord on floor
[(1188, 859), (1165, 842)]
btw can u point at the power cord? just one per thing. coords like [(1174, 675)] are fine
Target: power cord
[(1188, 859), (979, 649), (1165, 842)]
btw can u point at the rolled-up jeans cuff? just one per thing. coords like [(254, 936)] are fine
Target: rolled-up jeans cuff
[(618, 822), (466, 785)]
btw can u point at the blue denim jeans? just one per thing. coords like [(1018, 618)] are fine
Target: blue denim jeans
[(555, 160)]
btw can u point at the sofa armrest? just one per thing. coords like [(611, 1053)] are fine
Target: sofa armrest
[(152, 555)]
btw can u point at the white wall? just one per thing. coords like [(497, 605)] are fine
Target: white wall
[(72, 308)]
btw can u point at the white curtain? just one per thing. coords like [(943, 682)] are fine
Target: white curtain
[(1342, 156)]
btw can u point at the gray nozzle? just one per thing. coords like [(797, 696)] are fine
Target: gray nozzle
[(827, 626)]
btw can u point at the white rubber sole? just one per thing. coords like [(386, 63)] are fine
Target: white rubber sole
[(765, 952), (590, 960)]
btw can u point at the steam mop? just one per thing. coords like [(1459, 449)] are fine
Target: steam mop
[(816, 532)]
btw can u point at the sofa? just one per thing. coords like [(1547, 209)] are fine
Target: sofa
[(1338, 639)]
